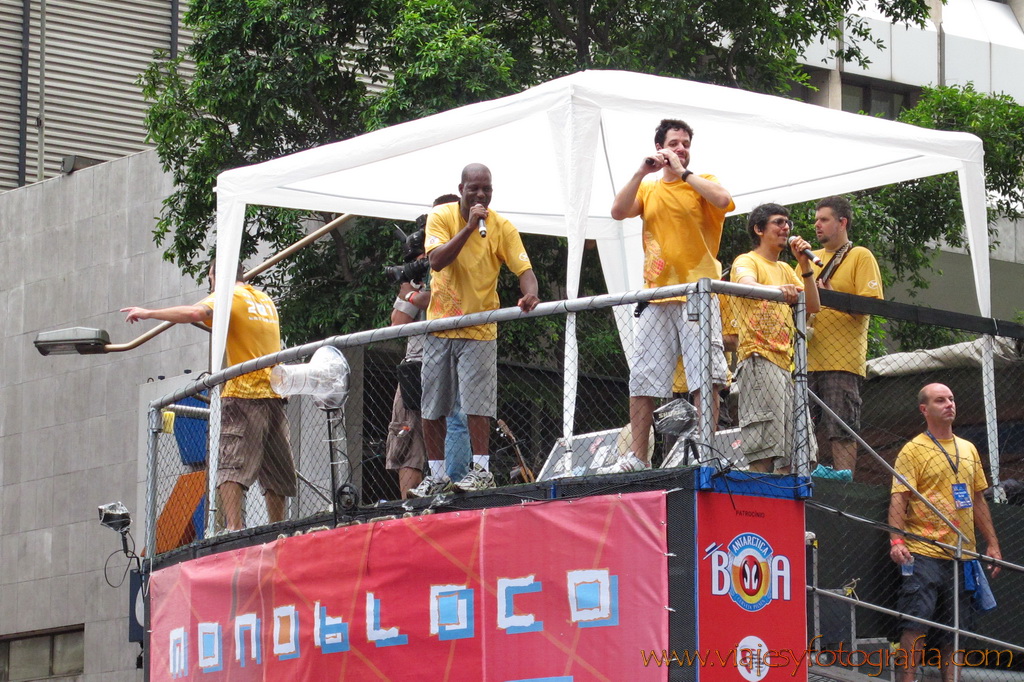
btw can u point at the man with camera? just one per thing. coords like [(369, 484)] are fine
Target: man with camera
[(467, 244), (405, 451)]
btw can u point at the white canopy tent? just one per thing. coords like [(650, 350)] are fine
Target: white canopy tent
[(559, 151)]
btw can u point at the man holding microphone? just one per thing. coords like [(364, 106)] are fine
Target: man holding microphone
[(467, 244), (683, 215)]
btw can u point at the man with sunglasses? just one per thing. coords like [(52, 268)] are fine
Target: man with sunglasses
[(766, 331), (683, 215)]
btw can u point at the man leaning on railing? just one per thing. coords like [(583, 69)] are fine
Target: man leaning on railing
[(467, 243), (766, 334)]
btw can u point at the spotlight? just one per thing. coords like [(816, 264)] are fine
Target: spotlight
[(115, 516)]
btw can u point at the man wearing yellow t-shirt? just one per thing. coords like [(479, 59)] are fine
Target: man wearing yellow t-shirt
[(947, 471), (766, 332), (255, 442), (467, 243), (838, 347), (683, 215)]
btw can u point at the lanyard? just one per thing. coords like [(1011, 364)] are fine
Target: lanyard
[(956, 448)]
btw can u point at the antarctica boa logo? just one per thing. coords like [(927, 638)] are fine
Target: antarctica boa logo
[(749, 571)]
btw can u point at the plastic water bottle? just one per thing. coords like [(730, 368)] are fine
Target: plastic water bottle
[(907, 568)]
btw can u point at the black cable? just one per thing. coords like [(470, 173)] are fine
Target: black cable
[(106, 564)]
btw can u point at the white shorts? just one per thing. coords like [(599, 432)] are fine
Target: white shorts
[(661, 334)]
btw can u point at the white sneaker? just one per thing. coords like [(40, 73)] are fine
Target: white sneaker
[(625, 465), (430, 486), (478, 478)]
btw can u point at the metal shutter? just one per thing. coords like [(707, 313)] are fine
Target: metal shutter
[(10, 90), (95, 50)]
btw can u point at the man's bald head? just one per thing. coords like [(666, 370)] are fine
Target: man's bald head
[(937, 406), (474, 169), (926, 392), (475, 188)]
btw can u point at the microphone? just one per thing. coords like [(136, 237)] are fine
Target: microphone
[(649, 161), (806, 252), (483, 228)]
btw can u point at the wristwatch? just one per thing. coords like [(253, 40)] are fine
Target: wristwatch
[(686, 173)]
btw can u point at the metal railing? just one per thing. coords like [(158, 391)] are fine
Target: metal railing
[(563, 391)]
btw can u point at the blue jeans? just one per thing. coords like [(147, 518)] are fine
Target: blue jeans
[(457, 451)]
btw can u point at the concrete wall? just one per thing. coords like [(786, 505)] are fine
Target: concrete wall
[(74, 251)]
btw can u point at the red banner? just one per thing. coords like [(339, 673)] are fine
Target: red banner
[(542, 592), (751, 611)]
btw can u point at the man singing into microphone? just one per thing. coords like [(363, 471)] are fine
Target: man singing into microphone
[(766, 331), (683, 216), (466, 244)]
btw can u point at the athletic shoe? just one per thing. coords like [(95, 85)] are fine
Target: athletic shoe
[(625, 465), (430, 486), (478, 478), (825, 471)]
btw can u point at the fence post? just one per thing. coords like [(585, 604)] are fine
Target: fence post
[(155, 426), (802, 451), (702, 300), (988, 381), (213, 457), (570, 378)]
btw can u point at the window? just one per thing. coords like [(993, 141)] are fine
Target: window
[(876, 99), (53, 655)]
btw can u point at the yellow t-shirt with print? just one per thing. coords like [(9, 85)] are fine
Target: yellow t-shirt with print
[(924, 466), (764, 327), (840, 339), (254, 331), (682, 233), (469, 284)]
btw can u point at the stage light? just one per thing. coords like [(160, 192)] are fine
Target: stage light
[(80, 340), (324, 377), (115, 516)]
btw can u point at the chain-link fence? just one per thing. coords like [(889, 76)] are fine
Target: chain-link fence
[(885, 584), (551, 397), (531, 403)]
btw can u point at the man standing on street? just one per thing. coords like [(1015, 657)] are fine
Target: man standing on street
[(683, 215), (467, 244), (947, 471), (254, 441), (838, 345)]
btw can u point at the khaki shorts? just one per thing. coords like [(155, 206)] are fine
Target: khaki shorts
[(766, 408), (841, 392), (405, 447), (255, 444)]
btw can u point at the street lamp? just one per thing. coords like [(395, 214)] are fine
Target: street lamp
[(80, 340)]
